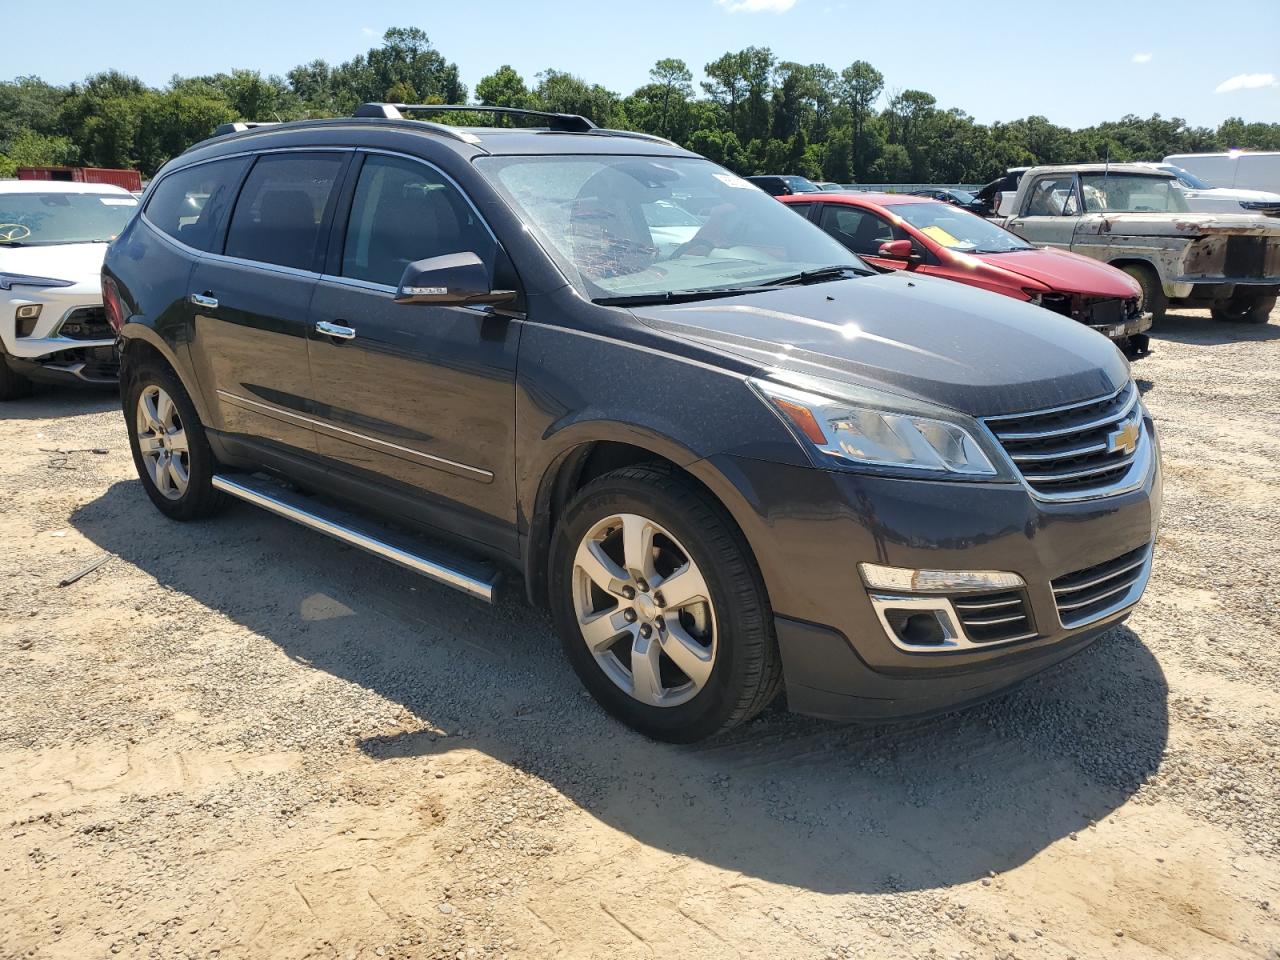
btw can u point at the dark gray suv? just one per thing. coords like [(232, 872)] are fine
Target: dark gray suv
[(730, 457)]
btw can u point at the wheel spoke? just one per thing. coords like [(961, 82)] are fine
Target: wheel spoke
[(164, 410), (637, 545), (178, 473), (690, 656), (149, 443), (602, 629), (178, 441), (161, 475), (150, 411), (684, 586), (646, 681), (595, 563)]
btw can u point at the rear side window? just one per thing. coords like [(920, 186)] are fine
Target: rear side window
[(281, 209), (860, 230), (191, 204), (405, 211)]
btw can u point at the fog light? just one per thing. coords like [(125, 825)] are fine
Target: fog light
[(916, 628), (26, 315), (28, 311), (908, 580)]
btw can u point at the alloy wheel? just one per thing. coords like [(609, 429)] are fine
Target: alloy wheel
[(162, 441), (644, 610)]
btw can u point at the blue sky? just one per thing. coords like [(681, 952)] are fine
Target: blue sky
[(1077, 64)]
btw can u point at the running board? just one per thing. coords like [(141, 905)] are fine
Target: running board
[(471, 578)]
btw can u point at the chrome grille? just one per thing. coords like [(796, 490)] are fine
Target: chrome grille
[(994, 617), (1074, 451), (1097, 591)]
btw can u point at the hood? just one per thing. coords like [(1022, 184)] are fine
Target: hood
[(1178, 224), (79, 262), (933, 340), (1065, 272), (1232, 193)]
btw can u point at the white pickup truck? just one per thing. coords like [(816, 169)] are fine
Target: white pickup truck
[(1136, 218)]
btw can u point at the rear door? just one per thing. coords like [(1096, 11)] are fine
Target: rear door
[(1050, 211), (416, 399), (252, 300)]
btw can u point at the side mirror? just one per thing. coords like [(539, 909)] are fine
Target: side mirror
[(897, 250), (456, 279), (1004, 206)]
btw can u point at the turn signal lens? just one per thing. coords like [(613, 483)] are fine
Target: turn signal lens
[(908, 580)]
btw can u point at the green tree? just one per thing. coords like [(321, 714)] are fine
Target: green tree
[(859, 88), (503, 88)]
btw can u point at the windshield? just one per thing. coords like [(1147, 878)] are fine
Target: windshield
[(639, 226), (964, 196), (801, 185), (957, 229), (1131, 193), (41, 219), (1187, 177)]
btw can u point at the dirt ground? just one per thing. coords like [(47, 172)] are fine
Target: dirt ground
[(240, 739)]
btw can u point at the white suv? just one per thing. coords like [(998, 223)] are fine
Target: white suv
[(53, 237)]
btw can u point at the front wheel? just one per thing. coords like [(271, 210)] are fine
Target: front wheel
[(13, 385), (660, 607), (1245, 308), (1153, 298)]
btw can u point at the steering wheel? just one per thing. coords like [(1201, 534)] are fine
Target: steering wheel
[(11, 232)]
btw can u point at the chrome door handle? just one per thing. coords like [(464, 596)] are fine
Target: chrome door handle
[(203, 300), (335, 330)]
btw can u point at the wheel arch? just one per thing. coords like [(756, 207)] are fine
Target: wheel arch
[(139, 342)]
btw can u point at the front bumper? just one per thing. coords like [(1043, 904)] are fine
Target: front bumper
[(69, 342), (810, 528)]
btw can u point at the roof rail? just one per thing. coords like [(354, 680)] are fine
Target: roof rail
[(563, 122), (240, 126), (637, 135)]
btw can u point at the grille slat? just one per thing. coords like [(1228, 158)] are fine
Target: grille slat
[(1099, 590), (995, 617), (1077, 450)]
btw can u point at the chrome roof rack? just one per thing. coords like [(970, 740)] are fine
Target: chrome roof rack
[(561, 122), (240, 126)]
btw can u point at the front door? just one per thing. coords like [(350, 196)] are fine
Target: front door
[(419, 398), (863, 232), (251, 302), (1050, 212)]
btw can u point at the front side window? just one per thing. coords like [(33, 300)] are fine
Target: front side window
[(958, 229), (281, 208), (404, 211), (1053, 197), (191, 204), (860, 230), (593, 215), (1131, 193), (46, 219)]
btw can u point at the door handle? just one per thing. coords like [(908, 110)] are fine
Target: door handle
[(335, 330), (204, 300)]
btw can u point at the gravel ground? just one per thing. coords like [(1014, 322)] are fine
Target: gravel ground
[(239, 739)]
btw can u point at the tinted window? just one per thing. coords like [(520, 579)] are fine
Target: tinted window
[(405, 211), (801, 208), (278, 216), (191, 204), (859, 230)]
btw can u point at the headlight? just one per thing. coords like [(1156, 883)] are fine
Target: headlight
[(856, 434), (10, 280)]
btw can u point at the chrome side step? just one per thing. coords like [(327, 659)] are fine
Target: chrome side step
[(471, 578)]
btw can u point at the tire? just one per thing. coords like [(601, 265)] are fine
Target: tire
[(1153, 298), (13, 385), (1245, 308), (737, 670), (196, 498)]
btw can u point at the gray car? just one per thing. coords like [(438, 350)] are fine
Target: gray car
[(727, 455)]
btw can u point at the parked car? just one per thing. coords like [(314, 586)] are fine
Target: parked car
[(746, 462), (1238, 169), (1137, 219), (954, 196), (1204, 197), (826, 186), (53, 236), (988, 197), (904, 232), (781, 186)]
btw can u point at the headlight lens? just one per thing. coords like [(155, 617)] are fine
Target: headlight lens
[(855, 434)]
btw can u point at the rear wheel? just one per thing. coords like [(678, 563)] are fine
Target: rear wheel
[(1153, 299), (1245, 308), (660, 606), (170, 450)]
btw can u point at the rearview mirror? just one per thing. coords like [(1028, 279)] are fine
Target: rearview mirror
[(897, 250), (455, 279)]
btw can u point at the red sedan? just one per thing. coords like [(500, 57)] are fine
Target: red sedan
[(902, 232)]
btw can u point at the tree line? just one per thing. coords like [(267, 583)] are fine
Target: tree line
[(753, 113)]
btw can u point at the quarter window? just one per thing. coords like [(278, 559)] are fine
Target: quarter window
[(281, 208), (404, 211), (191, 204)]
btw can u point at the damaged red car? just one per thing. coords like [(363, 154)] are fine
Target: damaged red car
[(901, 232)]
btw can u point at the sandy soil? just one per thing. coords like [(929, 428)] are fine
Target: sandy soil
[(239, 739)]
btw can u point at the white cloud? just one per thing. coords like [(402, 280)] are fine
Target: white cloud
[(1142, 58), (369, 31), (1247, 81), (756, 6)]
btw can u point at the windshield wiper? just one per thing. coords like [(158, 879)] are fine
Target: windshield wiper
[(819, 275), (673, 296)]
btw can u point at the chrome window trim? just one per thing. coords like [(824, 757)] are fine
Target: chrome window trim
[(441, 463)]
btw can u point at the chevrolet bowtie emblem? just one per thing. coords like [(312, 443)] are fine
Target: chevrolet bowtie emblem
[(1124, 440)]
